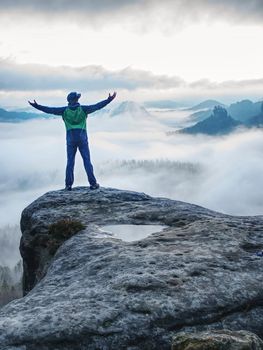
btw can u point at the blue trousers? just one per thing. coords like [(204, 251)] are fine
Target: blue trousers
[(78, 139)]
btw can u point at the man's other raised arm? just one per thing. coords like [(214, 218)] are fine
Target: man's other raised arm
[(49, 110), (93, 108)]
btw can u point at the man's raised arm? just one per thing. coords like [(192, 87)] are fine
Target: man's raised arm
[(49, 110), (92, 108)]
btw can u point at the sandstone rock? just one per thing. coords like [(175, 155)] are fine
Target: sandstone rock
[(217, 340), (98, 292)]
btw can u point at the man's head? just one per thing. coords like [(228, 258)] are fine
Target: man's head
[(73, 97)]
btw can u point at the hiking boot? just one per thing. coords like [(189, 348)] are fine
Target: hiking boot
[(94, 187), (68, 188)]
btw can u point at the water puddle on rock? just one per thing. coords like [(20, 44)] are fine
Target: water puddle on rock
[(129, 233)]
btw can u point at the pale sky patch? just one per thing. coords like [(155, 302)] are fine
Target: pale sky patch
[(217, 52), (203, 44)]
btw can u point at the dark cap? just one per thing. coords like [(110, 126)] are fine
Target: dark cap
[(73, 96)]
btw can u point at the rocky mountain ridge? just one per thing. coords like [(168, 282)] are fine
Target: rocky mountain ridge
[(17, 116), (246, 113), (219, 123)]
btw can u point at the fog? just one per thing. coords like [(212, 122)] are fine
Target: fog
[(134, 153)]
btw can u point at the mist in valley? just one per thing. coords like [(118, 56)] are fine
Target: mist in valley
[(129, 151)]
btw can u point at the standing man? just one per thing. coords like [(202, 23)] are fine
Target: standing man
[(74, 116)]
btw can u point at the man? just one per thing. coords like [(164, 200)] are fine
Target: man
[(74, 116)]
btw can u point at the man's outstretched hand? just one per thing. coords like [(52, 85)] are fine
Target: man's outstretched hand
[(34, 104), (112, 97)]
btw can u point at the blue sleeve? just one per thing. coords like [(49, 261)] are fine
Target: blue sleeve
[(51, 110), (93, 108)]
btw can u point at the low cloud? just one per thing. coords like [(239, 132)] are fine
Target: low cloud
[(52, 83), (229, 84), (29, 77), (227, 162)]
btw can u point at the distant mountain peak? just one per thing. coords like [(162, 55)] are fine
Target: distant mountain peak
[(207, 104), (219, 123), (244, 110), (16, 116), (129, 107), (219, 112)]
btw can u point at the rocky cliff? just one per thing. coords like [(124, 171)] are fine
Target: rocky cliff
[(218, 123), (88, 290)]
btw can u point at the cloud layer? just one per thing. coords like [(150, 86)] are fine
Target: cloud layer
[(27, 77), (221, 173), (18, 81), (176, 12)]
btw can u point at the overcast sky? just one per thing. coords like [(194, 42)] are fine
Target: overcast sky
[(178, 49)]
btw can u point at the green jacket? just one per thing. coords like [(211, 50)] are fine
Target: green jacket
[(74, 119)]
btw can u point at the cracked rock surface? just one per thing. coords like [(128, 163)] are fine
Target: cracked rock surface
[(217, 340), (200, 273)]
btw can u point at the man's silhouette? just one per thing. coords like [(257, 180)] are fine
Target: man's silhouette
[(74, 116)]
